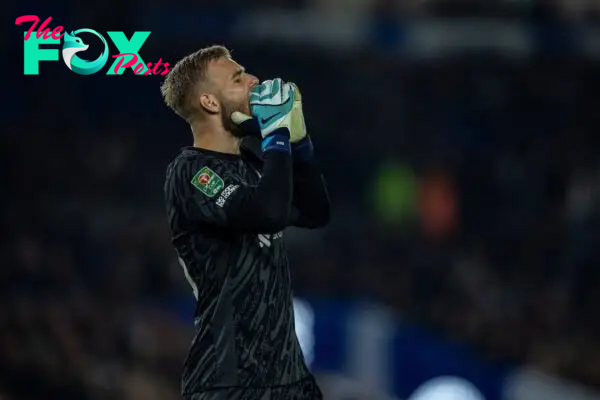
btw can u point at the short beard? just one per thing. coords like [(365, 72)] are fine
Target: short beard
[(228, 124)]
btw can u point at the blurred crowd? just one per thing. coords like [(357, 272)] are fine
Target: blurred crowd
[(103, 13), (466, 194)]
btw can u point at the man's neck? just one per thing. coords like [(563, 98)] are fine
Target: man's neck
[(220, 141)]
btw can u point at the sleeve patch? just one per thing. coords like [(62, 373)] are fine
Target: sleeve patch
[(208, 182), (225, 194)]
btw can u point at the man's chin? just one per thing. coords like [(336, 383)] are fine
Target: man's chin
[(248, 128)]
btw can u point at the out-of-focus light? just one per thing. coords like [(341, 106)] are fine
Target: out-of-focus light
[(447, 388), (305, 322)]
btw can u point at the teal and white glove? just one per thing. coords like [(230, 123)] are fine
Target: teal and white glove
[(271, 103), (276, 104)]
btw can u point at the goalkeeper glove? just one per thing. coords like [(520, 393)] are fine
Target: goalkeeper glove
[(271, 104), (297, 124), (302, 147), (276, 104)]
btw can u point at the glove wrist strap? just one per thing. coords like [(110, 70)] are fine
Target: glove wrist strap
[(279, 140)]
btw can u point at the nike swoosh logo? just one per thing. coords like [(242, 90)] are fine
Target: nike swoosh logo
[(266, 120)]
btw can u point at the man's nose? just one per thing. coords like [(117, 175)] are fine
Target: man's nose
[(252, 81)]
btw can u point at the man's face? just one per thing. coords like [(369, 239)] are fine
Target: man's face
[(233, 86)]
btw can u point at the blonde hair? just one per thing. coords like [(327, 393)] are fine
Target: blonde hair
[(182, 81)]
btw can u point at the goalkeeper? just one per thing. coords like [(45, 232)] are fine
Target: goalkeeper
[(249, 174)]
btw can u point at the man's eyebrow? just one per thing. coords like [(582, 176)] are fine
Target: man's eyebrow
[(238, 72)]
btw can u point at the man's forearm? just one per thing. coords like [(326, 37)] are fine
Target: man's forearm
[(267, 206)]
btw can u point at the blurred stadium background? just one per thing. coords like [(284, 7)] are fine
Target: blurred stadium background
[(461, 147)]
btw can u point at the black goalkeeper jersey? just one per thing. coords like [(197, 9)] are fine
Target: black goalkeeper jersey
[(227, 214)]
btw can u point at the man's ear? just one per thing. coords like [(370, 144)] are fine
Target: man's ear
[(209, 103)]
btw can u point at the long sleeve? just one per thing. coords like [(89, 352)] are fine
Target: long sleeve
[(311, 207), (211, 193)]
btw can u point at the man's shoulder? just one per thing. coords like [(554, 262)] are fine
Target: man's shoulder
[(191, 162)]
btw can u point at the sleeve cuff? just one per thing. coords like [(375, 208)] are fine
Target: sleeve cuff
[(279, 140)]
